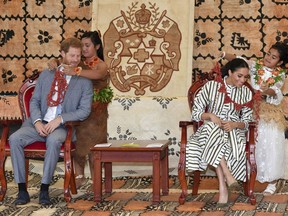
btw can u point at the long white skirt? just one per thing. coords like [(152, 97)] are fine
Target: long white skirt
[(270, 152)]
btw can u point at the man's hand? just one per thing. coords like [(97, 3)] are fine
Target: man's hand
[(40, 128), (52, 125)]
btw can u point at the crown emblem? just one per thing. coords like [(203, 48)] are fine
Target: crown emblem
[(143, 15), (152, 42)]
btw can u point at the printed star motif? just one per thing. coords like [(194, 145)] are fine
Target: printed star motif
[(149, 70), (141, 55)]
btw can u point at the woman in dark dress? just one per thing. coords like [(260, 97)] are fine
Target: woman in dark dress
[(94, 129)]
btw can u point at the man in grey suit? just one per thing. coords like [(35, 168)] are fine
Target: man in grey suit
[(72, 95)]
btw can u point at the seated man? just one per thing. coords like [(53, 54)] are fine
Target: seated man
[(55, 100)]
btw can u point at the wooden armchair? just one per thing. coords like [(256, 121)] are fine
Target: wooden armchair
[(251, 169), (36, 150)]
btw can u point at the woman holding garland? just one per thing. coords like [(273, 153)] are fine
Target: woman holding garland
[(94, 129), (268, 76), (220, 141)]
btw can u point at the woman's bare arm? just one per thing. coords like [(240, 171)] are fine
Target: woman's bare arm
[(98, 71)]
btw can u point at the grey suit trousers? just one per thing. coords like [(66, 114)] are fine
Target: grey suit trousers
[(26, 135)]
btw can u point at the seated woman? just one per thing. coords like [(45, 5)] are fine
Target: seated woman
[(267, 78), (225, 106)]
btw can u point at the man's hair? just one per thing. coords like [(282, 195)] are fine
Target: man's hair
[(70, 42)]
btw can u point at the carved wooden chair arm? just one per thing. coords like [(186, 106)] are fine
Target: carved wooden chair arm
[(251, 162), (5, 124), (250, 145), (182, 157), (70, 125), (184, 125)]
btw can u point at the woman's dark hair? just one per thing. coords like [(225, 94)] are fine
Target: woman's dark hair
[(282, 48), (233, 65), (96, 40)]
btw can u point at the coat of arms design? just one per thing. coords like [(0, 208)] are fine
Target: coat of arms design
[(142, 49)]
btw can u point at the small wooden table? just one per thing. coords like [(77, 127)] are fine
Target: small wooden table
[(158, 156)]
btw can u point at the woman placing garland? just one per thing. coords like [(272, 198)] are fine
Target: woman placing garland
[(94, 129), (268, 76), (220, 141)]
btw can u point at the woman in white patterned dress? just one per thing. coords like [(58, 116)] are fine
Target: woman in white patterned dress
[(268, 76), (221, 140)]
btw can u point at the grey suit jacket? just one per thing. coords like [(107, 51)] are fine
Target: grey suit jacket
[(77, 102)]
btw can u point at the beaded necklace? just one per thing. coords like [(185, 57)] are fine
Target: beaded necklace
[(59, 86)]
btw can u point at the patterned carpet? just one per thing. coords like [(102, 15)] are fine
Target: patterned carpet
[(132, 196)]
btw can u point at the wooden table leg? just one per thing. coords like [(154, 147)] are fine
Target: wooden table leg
[(108, 177), (97, 179), (165, 173), (156, 178)]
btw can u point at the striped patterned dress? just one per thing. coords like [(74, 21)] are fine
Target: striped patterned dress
[(210, 143)]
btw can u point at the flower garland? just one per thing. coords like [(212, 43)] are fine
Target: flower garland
[(92, 63), (262, 75)]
